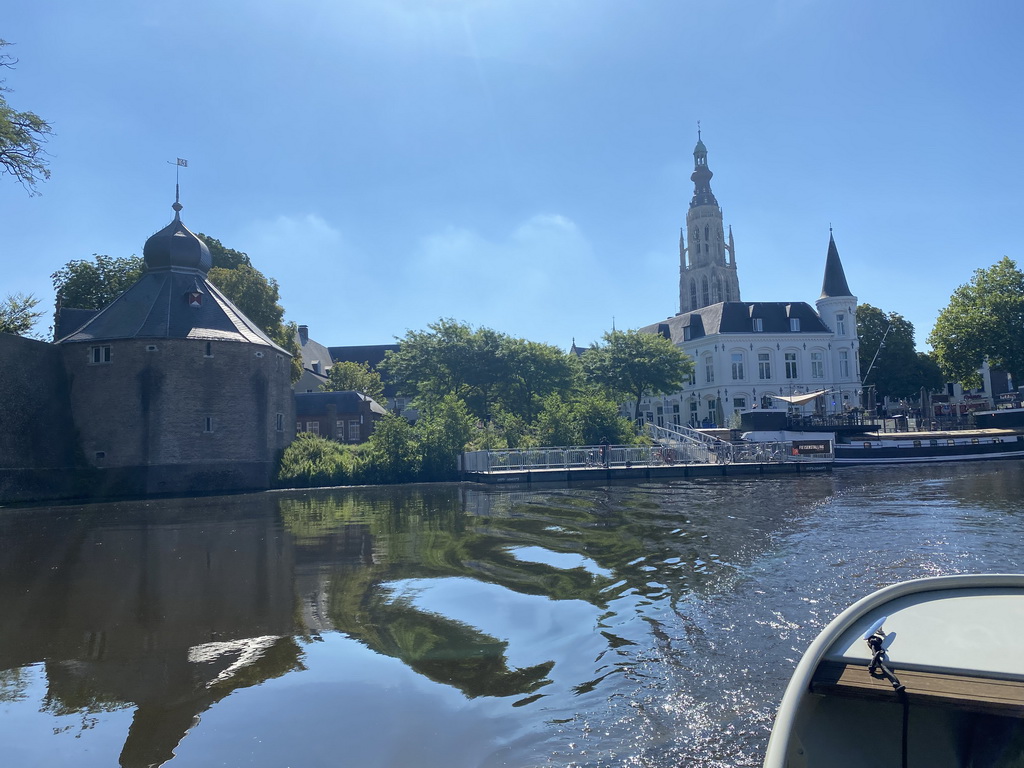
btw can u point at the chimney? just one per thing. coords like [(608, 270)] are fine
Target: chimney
[(303, 334)]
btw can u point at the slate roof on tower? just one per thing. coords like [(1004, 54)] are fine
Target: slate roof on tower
[(173, 299), (834, 283)]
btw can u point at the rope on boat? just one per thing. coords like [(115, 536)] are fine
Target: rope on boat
[(878, 668)]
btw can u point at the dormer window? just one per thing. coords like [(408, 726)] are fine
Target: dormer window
[(757, 324), (794, 324)]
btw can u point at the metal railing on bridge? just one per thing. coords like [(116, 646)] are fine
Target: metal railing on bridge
[(679, 449)]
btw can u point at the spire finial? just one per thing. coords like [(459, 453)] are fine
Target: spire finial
[(180, 163), (698, 130)]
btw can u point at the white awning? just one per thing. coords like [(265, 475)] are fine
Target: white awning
[(800, 399)]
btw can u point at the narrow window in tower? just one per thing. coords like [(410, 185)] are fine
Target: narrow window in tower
[(693, 294), (844, 363), (714, 292), (840, 325), (704, 291)]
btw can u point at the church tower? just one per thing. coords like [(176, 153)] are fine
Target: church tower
[(705, 275)]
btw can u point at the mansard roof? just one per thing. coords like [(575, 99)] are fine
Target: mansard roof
[(350, 401), (736, 317)]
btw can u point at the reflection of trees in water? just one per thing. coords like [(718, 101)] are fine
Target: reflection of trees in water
[(651, 542)]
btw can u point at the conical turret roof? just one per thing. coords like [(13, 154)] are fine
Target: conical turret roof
[(834, 283)]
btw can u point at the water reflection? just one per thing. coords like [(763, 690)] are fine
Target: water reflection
[(559, 627)]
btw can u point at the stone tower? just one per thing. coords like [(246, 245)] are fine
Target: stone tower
[(705, 275), (173, 389)]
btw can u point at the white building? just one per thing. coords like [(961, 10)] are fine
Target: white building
[(753, 354)]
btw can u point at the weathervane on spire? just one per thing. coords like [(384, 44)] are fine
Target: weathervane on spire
[(180, 163), (698, 130)]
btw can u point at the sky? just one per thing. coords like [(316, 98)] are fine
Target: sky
[(523, 165)]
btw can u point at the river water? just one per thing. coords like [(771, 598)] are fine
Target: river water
[(643, 624)]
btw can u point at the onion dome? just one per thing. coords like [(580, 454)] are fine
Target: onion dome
[(175, 247)]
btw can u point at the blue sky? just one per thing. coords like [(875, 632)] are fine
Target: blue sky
[(524, 164)]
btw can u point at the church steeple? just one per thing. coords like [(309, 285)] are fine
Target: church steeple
[(701, 176), (705, 275)]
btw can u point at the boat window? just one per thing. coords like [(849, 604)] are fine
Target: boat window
[(951, 441), (867, 445), (917, 443), (997, 439), (975, 441), (933, 442)]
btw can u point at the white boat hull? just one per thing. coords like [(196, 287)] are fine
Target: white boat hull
[(957, 644)]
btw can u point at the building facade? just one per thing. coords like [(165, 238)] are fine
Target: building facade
[(753, 354)]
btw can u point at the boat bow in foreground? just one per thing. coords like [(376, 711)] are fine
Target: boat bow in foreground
[(925, 673)]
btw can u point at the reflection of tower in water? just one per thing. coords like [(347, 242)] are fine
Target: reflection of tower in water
[(170, 616)]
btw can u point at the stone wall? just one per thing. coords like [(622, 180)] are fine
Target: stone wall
[(180, 415), (39, 456)]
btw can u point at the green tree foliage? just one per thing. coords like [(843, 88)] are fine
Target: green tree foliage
[(18, 315), (359, 377), (896, 373), (312, 461), (252, 292), (442, 432), (581, 418), (928, 373), (221, 255), (489, 371), (22, 135), (392, 454), (85, 284), (634, 365), (983, 319)]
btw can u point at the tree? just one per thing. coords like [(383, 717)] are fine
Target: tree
[(85, 284), (359, 377), (22, 135), (18, 315), (895, 373), (983, 319), (634, 365), (581, 417), (221, 255), (487, 370), (391, 452), (442, 432)]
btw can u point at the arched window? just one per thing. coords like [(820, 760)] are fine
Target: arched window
[(704, 291), (693, 294), (707, 231)]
